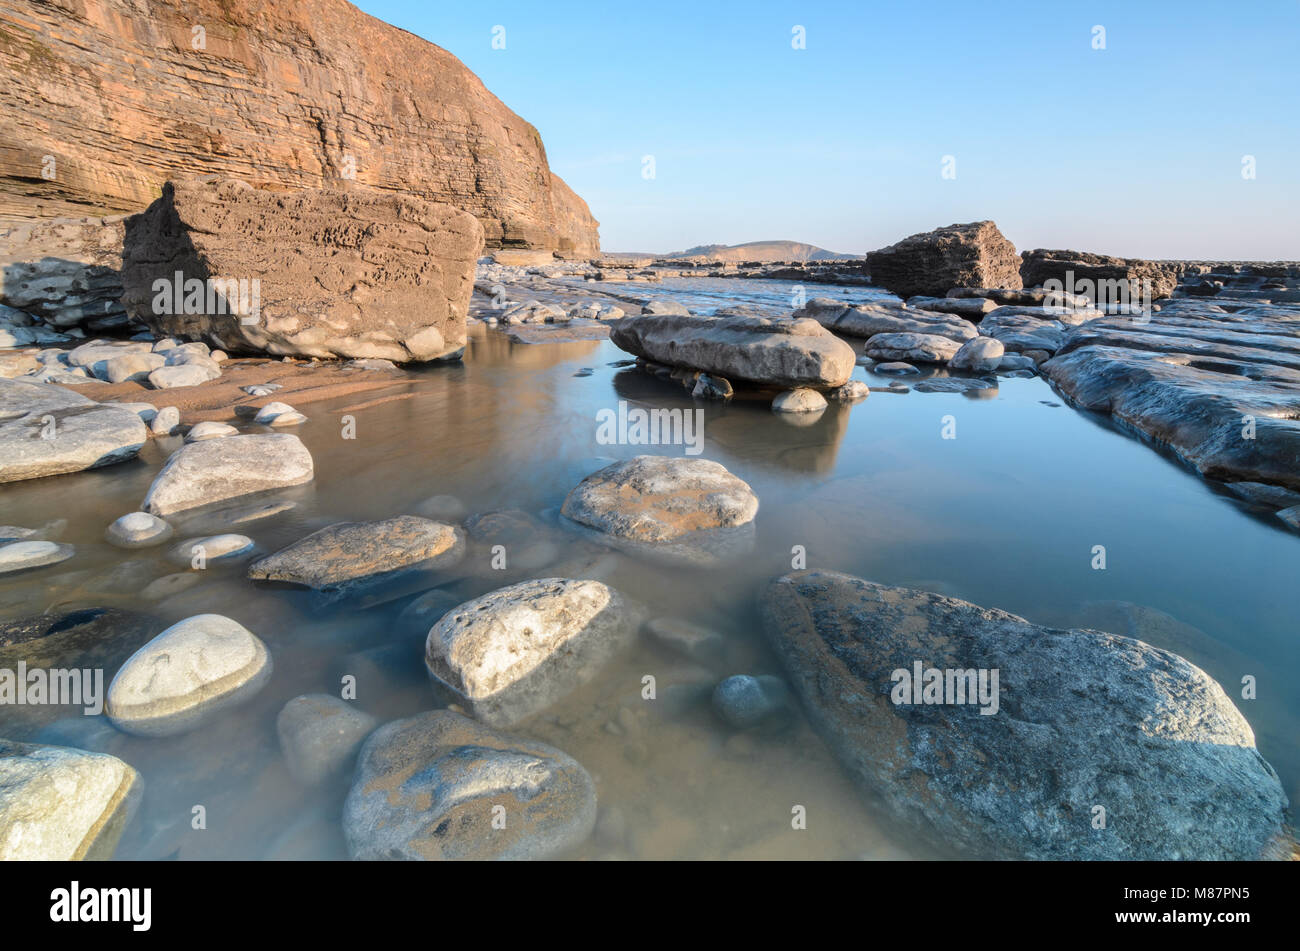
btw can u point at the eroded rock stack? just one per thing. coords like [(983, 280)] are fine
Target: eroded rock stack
[(327, 272), (961, 255)]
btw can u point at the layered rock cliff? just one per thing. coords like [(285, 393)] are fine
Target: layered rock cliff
[(104, 100)]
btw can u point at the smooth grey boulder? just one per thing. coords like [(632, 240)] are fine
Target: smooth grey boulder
[(971, 308), (187, 675), (1070, 316), (1019, 333), (911, 348), (980, 355), (215, 470), (745, 701), (439, 786), (678, 510), (23, 555), (1081, 719), (802, 400), (137, 530), (352, 558), (320, 735), (516, 651), (776, 351), (47, 430), (59, 804)]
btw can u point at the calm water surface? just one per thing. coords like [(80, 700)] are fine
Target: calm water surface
[(1005, 515)]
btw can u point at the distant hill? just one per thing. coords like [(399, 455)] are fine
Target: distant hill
[(764, 251)]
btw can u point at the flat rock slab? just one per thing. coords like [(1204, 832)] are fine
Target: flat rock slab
[(1222, 391), (778, 351), (1082, 719), (59, 804), (46, 430), (214, 470), (187, 675), (518, 650), (867, 320), (436, 786), (912, 348), (675, 509), (348, 558)]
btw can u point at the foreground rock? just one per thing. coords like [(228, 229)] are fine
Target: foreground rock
[(518, 650), (186, 675), (214, 470), (777, 351), (932, 262), (1222, 390), (352, 558), (46, 430), (341, 272), (59, 805), (981, 355), (1082, 719), (867, 320), (436, 786), (675, 509)]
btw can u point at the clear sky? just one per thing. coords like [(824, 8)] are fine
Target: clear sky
[(1135, 149)]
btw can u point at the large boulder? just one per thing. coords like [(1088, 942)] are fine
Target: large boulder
[(324, 272), (776, 351), (59, 805), (1098, 277), (441, 786), (517, 650), (932, 262), (884, 317), (670, 509), (1018, 767), (48, 430), (214, 470)]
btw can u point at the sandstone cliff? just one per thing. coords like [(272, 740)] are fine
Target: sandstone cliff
[(104, 100)]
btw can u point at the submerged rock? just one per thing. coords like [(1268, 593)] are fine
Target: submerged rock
[(799, 401), (440, 786), (675, 509), (137, 530), (776, 351), (186, 675), (1077, 719), (20, 556), (745, 701), (518, 650), (320, 735), (59, 804), (215, 470), (351, 558)]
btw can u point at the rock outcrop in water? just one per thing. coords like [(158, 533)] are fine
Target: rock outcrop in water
[(1218, 386), (933, 262), (305, 93), (1082, 719), (326, 272), (781, 352)]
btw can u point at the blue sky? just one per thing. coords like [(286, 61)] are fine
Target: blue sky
[(1136, 149)]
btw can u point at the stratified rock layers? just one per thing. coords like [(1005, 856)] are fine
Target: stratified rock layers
[(114, 97)]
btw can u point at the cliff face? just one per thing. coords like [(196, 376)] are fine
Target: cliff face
[(104, 100)]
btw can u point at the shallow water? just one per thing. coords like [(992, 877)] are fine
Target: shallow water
[(1005, 515)]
